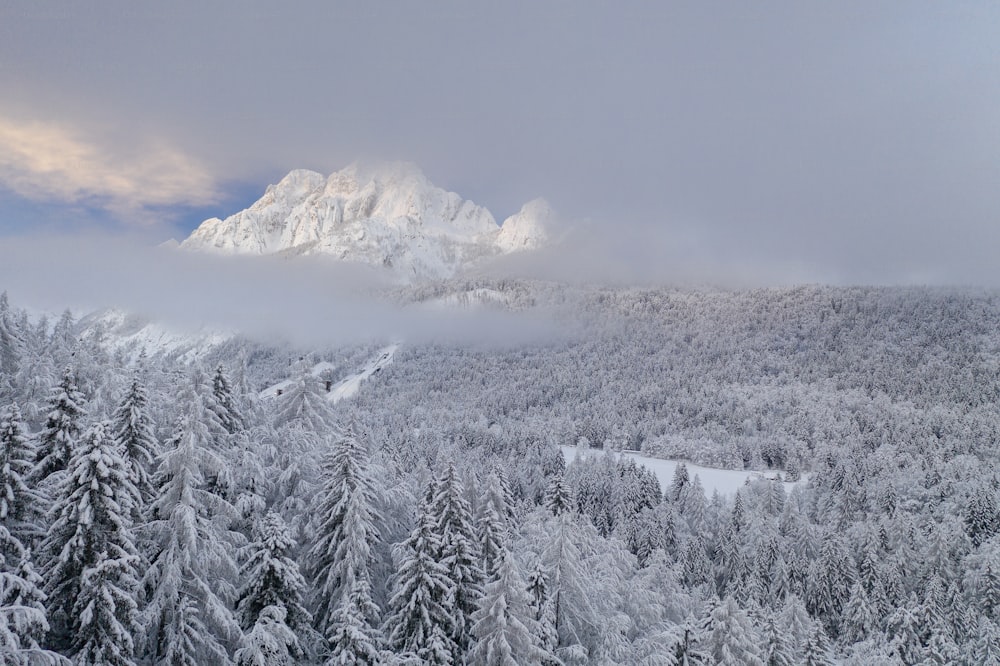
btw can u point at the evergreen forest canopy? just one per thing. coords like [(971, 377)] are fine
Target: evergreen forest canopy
[(154, 509)]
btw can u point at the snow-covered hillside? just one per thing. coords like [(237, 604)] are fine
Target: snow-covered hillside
[(391, 216)]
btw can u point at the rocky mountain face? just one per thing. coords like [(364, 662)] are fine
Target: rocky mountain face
[(390, 216)]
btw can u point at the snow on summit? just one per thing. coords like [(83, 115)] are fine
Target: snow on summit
[(390, 216)]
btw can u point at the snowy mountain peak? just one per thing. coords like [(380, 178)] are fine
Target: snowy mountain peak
[(528, 228), (388, 215)]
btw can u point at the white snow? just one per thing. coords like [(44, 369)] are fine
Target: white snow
[(349, 385), (134, 334), (725, 481), (390, 217)]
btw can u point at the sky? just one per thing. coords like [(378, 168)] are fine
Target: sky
[(848, 142)]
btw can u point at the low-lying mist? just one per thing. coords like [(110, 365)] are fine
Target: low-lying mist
[(307, 301)]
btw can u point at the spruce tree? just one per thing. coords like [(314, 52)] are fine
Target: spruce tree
[(133, 432), (189, 620), (271, 578), (20, 505), (92, 565), (493, 526), (270, 642), (303, 404), (817, 648), (23, 623), (224, 403), (11, 348), (62, 428), (576, 621), (353, 640), (346, 534), (731, 639), (421, 619), (502, 625), (859, 618), (558, 498), (458, 553)]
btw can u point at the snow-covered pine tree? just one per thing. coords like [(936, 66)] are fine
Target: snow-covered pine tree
[(859, 619), (458, 553), (558, 497), (502, 629), (421, 618), (777, 650), (188, 616), (62, 428), (11, 348), (271, 578), (91, 564), (679, 482), (270, 642), (224, 404), (817, 649), (20, 505), (493, 525), (107, 610), (133, 432), (730, 636), (346, 534), (574, 615), (23, 623), (352, 638), (303, 404)]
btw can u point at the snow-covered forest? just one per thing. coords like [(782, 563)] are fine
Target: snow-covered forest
[(155, 508)]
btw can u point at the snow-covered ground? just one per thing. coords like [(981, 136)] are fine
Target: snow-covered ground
[(726, 481), (349, 385)]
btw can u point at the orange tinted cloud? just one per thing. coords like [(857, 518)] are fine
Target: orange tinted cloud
[(47, 161)]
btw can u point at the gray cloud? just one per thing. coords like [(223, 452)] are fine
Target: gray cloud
[(306, 302), (847, 141)]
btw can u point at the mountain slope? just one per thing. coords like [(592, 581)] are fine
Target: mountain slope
[(390, 216)]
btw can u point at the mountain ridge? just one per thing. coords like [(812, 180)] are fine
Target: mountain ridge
[(389, 216)]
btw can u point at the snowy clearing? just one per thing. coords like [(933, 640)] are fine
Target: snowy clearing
[(346, 387), (725, 481)]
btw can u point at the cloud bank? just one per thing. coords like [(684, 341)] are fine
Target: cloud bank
[(50, 161)]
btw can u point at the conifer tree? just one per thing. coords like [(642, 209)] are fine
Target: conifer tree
[(493, 525), (303, 404), (224, 403), (730, 637), (346, 534), (20, 505), (62, 428), (92, 566), (270, 642), (271, 578), (421, 618), (859, 618), (133, 432), (558, 498), (11, 348), (458, 553), (817, 648), (189, 620), (23, 622), (502, 623), (353, 640), (574, 616), (778, 651), (679, 482)]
